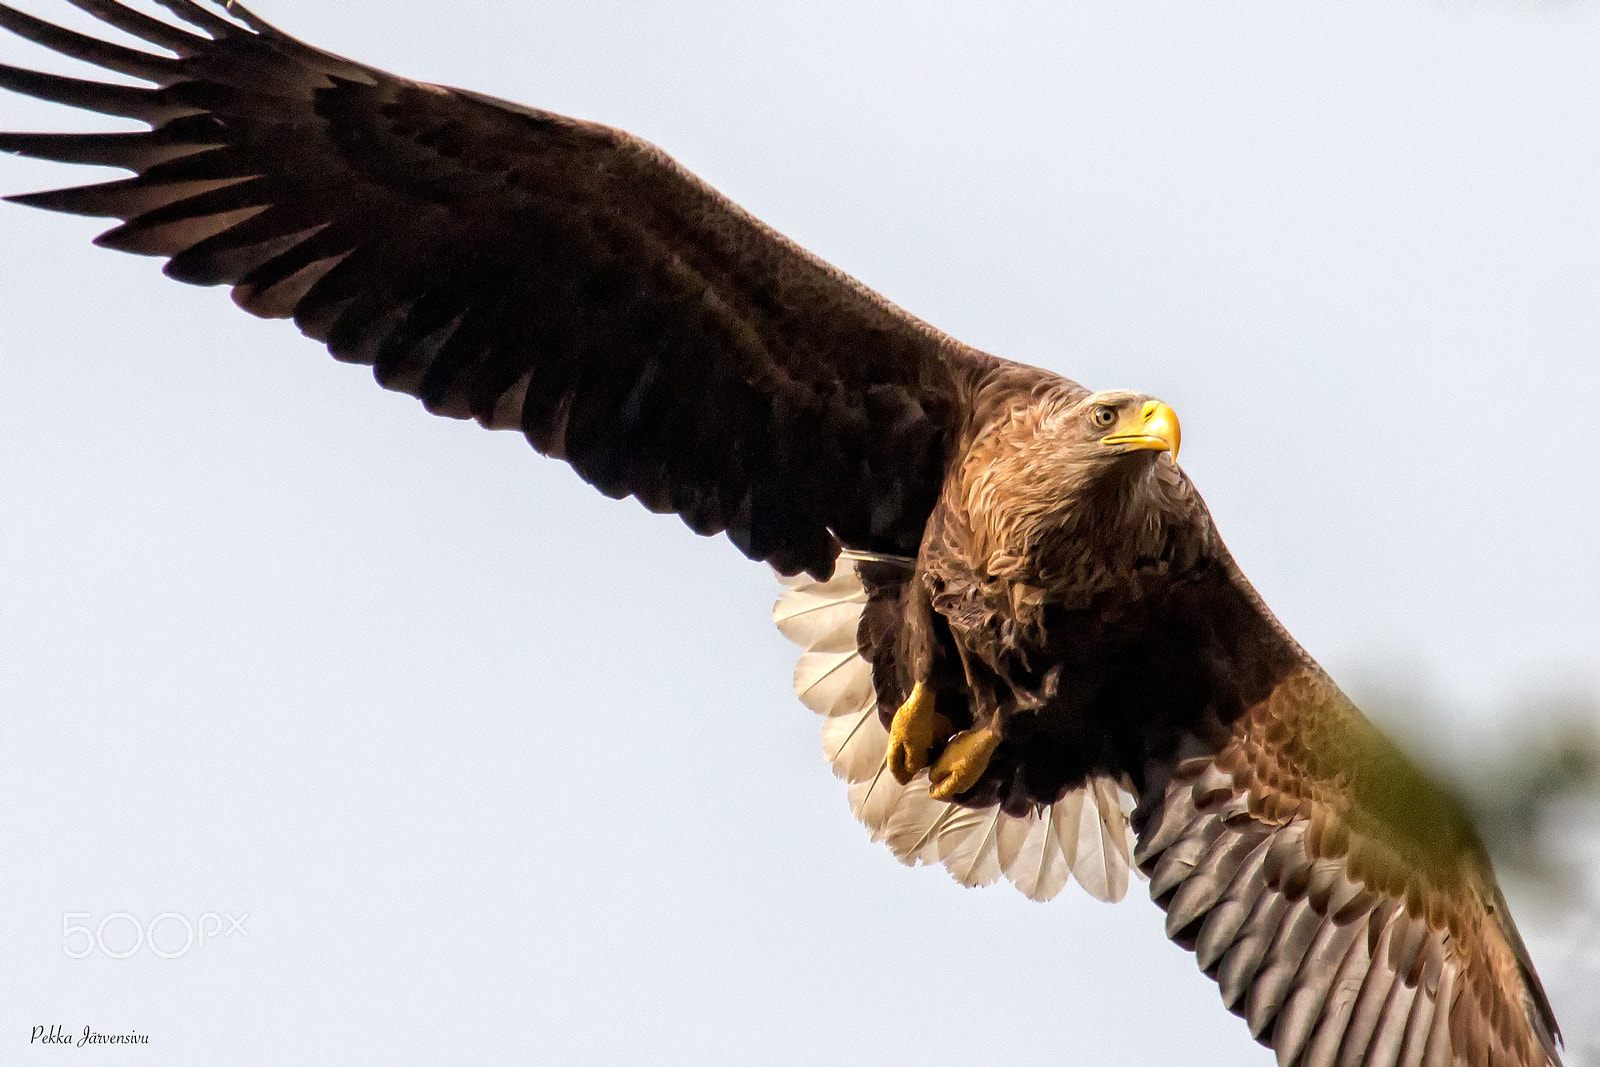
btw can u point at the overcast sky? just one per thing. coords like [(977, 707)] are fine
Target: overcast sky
[(502, 771)]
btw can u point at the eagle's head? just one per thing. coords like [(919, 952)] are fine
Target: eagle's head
[(1117, 424), (1122, 423), (1081, 446), (1115, 455), (1086, 487)]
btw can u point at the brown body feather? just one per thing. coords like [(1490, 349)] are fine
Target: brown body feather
[(568, 280)]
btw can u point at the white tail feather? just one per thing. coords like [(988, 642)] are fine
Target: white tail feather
[(1084, 835), (1101, 864), (817, 615), (969, 845), (833, 683), (1040, 869), (875, 799), (913, 830), (855, 744)]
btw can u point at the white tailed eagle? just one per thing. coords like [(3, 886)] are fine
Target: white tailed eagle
[(1036, 657)]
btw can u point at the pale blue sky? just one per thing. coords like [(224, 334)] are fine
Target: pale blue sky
[(504, 771)]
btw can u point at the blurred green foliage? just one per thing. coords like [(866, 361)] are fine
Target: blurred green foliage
[(1545, 768), (1529, 776)]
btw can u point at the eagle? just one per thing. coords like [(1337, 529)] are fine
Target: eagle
[(1034, 656)]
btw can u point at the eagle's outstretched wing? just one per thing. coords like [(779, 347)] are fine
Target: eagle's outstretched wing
[(1339, 897), (527, 270)]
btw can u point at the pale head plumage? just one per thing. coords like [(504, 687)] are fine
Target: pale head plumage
[(1063, 492)]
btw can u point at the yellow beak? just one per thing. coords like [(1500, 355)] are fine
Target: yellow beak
[(1155, 427)]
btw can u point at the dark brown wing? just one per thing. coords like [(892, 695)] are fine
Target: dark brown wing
[(1340, 899), (521, 268)]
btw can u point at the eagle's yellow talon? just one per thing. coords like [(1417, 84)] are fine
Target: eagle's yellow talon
[(965, 759), (916, 728)]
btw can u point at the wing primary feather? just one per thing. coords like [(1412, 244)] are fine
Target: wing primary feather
[(159, 69), (143, 26), (1329, 888), (1178, 862), (1423, 1007), (280, 299), (1394, 1020), (1268, 921), (254, 21), (232, 193), (237, 251), (130, 151), (1175, 813), (1288, 863), (1406, 953), (124, 199), (286, 44), (323, 250), (1243, 960), (122, 101), (1380, 976), (1437, 1053), (1343, 992), (168, 238), (219, 162), (199, 17), (1221, 927), (1309, 996), (1211, 878), (1284, 960)]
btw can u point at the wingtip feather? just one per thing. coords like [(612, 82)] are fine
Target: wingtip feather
[(136, 64)]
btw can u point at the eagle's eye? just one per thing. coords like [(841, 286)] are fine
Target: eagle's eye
[(1103, 416)]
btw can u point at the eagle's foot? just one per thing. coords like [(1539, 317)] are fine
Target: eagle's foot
[(965, 759), (916, 728)]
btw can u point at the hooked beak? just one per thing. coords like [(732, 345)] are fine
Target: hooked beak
[(1155, 427)]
